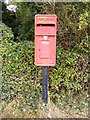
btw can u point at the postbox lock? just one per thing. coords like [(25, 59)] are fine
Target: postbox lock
[(45, 37)]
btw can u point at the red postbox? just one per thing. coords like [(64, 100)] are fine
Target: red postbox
[(45, 39)]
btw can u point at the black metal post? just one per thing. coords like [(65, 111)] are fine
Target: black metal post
[(45, 83)]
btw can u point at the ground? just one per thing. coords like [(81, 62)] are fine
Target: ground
[(55, 112), (51, 111)]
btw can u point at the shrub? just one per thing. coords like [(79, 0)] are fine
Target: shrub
[(68, 80), (18, 69)]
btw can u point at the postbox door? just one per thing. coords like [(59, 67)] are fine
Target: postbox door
[(44, 49)]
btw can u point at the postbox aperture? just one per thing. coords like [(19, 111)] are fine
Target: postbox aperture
[(45, 40)]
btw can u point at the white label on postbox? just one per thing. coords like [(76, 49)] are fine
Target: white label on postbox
[(45, 37)]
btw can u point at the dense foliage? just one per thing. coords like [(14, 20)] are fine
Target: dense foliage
[(68, 80), (72, 22), (21, 21), (18, 69)]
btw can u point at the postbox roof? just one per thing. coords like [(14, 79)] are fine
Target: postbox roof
[(46, 15), (45, 18)]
